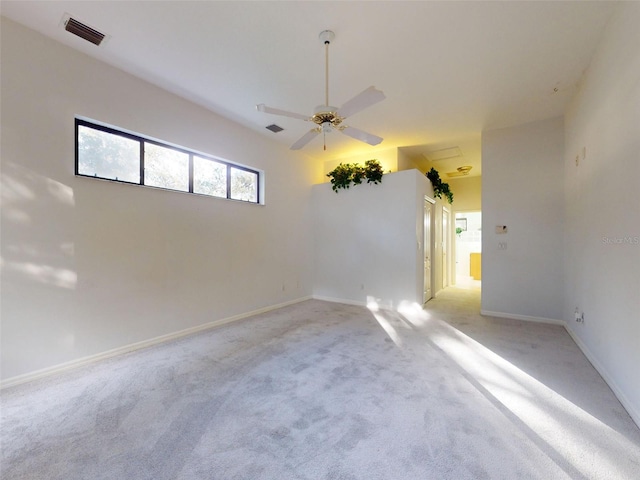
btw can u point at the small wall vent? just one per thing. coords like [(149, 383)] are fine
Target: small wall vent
[(274, 128), (83, 31)]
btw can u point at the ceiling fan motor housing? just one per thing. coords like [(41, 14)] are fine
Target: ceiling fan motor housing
[(326, 114)]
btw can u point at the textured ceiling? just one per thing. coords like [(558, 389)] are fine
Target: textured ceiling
[(448, 69)]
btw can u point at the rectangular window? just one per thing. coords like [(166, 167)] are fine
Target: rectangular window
[(165, 167), (209, 177), (102, 154), (243, 184), (111, 154)]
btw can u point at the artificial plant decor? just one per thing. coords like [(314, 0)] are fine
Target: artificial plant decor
[(373, 171), (440, 188), (347, 173)]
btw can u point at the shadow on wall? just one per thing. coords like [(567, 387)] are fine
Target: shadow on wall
[(35, 246), (37, 266)]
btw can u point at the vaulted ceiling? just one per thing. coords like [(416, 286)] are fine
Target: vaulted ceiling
[(449, 69)]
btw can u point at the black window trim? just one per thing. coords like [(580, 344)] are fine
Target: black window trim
[(191, 153)]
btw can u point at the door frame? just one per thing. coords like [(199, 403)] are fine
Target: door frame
[(428, 246), (446, 247)]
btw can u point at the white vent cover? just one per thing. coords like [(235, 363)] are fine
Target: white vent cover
[(443, 154)]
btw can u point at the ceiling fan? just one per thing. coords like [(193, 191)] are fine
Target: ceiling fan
[(328, 118)]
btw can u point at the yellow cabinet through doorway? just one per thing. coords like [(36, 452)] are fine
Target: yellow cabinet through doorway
[(475, 268)]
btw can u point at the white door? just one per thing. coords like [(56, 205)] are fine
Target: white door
[(426, 242), (445, 248)]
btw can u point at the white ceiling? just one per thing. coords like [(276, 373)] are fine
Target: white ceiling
[(448, 69)]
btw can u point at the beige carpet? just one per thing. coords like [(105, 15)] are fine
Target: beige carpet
[(327, 391)]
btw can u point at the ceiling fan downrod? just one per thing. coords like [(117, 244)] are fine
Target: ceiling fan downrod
[(326, 36)]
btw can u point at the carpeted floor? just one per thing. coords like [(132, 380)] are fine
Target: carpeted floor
[(327, 391)]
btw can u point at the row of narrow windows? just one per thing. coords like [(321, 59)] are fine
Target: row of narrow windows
[(110, 154)]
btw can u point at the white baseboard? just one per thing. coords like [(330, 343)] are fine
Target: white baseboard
[(56, 369), (631, 409), (340, 300), (45, 372), (358, 303), (526, 318)]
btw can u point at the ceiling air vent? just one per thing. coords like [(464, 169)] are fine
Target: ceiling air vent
[(274, 128), (72, 25), (443, 154)]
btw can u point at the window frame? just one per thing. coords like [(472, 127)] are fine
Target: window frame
[(141, 139)]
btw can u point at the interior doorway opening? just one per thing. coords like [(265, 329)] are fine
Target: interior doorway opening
[(468, 246)]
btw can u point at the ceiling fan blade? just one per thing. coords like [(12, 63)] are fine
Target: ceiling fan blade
[(361, 101), (306, 138), (362, 136), (276, 111)]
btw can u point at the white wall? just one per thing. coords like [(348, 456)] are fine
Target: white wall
[(603, 208), (405, 162), (522, 188), (368, 240), (467, 194), (91, 265)]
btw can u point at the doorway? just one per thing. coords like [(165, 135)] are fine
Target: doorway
[(468, 248), (426, 242)]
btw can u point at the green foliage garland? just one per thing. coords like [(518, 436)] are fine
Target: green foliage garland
[(346, 173), (439, 187)]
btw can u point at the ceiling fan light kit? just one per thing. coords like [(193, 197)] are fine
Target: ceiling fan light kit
[(328, 118), (460, 171)]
